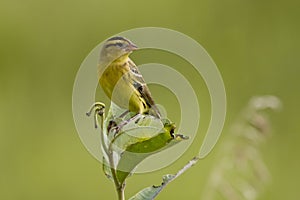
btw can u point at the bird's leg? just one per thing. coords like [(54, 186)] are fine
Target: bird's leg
[(124, 114), (112, 123), (118, 127), (98, 109)]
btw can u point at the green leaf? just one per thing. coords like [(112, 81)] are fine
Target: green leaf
[(132, 133), (106, 169), (137, 140), (151, 192), (143, 147)]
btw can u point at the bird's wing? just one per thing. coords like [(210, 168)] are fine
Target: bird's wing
[(141, 86)]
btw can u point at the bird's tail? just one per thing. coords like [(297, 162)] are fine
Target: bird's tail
[(154, 112)]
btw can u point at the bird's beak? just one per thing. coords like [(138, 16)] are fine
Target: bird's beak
[(132, 47)]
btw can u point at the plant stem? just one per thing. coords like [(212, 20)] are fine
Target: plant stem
[(120, 191), (120, 188)]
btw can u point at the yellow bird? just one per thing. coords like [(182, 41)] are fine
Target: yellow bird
[(121, 80)]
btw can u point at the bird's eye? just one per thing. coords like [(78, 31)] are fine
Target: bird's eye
[(119, 44)]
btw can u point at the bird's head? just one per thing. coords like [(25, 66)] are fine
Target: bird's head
[(115, 48)]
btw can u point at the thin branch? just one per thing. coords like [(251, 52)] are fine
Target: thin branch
[(99, 110), (190, 164)]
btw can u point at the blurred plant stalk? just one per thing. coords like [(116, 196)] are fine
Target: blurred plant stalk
[(240, 172)]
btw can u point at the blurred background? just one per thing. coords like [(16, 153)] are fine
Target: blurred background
[(254, 43)]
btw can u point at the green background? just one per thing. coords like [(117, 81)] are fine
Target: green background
[(254, 43)]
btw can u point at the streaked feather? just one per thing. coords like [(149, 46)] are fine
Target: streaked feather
[(121, 70)]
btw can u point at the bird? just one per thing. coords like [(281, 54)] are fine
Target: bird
[(121, 79)]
